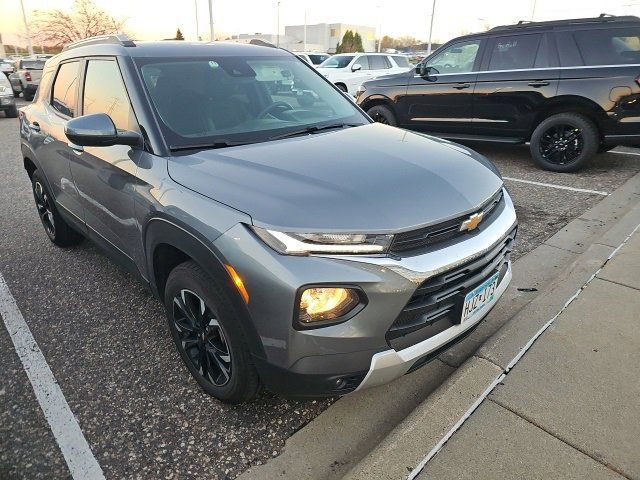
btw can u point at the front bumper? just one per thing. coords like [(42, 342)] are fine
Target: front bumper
[(356, 354)]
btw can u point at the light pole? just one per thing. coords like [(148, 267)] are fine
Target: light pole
[(211, 19), (278, 27), (433, 12), (379, 28), (26, 28), (533, 10), (195, 3)]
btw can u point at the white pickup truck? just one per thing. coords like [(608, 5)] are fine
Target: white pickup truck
[(26, 77)]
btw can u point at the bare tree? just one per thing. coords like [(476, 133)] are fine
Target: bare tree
[(59, 27)]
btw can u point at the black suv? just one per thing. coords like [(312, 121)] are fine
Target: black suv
[(571, 88)]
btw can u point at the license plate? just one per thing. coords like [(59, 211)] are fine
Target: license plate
[(479, 297)]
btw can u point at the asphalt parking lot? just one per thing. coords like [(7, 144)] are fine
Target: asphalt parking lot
[(106, 341)]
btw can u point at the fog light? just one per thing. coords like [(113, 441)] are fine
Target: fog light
[(320, 304)]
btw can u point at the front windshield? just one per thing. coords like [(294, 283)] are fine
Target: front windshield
[(337, 62), (240, 99)]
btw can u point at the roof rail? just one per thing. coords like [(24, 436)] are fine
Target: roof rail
[(120, 39), (261, 43), (602, 18)]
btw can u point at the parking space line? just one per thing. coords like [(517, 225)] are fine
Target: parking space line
[(624, 153), (64, 426), (560, 187)]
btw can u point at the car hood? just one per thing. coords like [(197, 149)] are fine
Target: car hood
[(372, 178)]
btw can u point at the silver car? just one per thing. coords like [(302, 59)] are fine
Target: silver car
[(294, 244)]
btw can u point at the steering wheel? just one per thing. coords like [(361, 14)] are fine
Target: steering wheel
[(275, 105)]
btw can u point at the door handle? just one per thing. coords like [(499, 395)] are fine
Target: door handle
[(538, 83), (35, 126), (461, 86)]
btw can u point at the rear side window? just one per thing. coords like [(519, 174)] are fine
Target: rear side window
[(611, 46), (515, 52), (363, 62), (65, 89), (317, 59), (104, 92), (402, 62)]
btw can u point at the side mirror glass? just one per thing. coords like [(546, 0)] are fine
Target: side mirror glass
[(425, 71), (356, 67), (98, 130)]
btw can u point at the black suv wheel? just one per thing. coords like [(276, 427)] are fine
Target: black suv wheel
[(382, 114), (58, 231), (564, 142), (208, 336)]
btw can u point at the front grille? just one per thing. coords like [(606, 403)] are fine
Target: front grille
[(440, 232), (435, 305)]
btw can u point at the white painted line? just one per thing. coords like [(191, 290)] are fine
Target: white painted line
[(624, 153), (75, 449), (416, 471), (560, 187), (458, 424)]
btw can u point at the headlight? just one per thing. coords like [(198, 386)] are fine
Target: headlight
[(320, 306), (306, 243)]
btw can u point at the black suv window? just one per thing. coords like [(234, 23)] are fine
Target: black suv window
[(611, 46), (65, 86), (457, 58), (104, 92), (514, 53)]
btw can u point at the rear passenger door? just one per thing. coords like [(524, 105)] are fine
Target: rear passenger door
[(519, 73), (105, 176)]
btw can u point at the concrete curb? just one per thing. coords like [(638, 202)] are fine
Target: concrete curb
[(589, 240), (385, 432)]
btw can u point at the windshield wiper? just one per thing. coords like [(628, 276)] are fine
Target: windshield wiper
[(313, 129), (207, 146)]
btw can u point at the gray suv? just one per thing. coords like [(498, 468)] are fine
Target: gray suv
[(295, 244)]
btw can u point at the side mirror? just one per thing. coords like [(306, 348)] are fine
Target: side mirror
[(356, 67), (98, 130), (424, 71)]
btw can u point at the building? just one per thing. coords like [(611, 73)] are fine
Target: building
[(325, 36)]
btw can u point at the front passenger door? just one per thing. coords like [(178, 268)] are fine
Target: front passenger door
[(105, 176), (442, 100)]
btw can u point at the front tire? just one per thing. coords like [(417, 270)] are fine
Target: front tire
[(58, 231), (342, 87), (12, 112), (382, 114), (564, 142), (208, 335)]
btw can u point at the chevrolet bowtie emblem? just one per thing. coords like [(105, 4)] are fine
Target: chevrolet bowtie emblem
[(472, 222)]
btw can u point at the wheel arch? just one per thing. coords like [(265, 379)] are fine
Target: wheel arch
[(168, 244), (374, 100), (571, 104)]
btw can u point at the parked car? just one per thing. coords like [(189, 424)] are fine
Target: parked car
[(310, 250), (571, 88), (26, 77), (349, 70), (7, 102), (6, 67), (312, 58)]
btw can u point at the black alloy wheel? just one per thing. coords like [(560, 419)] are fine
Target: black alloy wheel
[(202, 338), (564, 142), (561, 144), (382, 114), (45, 211)]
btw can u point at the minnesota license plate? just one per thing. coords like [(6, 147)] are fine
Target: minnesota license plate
[(479, 297)]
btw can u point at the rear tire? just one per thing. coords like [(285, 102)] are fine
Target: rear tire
[(564, 142), (58, 231), (382, 114), (208, 335)]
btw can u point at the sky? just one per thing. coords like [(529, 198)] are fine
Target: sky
[(157, 19)]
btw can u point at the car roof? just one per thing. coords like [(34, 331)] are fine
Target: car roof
[(177, 48), (568, 24)]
